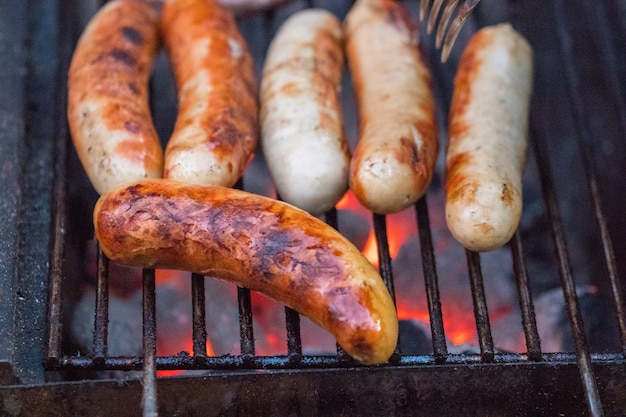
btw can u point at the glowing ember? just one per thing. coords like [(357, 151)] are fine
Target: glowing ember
[(188, 350), (458, 331)]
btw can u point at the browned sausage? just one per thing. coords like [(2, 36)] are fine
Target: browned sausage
[(488, 137), (108, 112), (395, 156), (216, 129), (259, 243)]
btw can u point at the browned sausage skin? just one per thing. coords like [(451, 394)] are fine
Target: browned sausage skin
[(259, 243), (393, 162), (486, 150), (216, 129), (108, 111)]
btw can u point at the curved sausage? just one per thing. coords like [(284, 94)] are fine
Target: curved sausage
[(301, 120), (216, 129), (488, 138), (108, 113), (395, 156), (260, 243)]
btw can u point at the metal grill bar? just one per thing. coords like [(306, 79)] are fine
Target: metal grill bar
[(384, 259), (198, 315), (55, 311), (246, 330), (294, 340), (59, 210), (529, 322), (101, 320), (384, 265), (238, 362), (481, 313), (149, 397), (440, 348), (584, 139), (567, 281)]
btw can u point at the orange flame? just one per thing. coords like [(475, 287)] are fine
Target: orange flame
[(401, 227), (350, 202), (458, 331), (370, 251)]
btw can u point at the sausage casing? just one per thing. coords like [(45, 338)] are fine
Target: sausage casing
[(216, 129), (108, 113), (395, 156), (260, 243), (488, 137), (301, 120)]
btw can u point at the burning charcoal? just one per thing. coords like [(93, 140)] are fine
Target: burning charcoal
[(353, 226), (222, 316), (415, 338), (123, 280), (125, 325), (453, 280), (553, 323), (173, 321)]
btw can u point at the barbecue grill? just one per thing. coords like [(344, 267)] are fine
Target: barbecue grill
[(572, 230)]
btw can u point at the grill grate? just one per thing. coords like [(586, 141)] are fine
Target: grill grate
[(590, 367)]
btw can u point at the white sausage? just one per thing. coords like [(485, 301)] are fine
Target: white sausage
[(488, 137), (301, 121)]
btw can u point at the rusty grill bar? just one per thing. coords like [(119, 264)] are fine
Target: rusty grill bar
[(601, 376)]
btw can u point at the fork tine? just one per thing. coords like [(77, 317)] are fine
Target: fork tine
[(434, 12), (443, 22), (455, 27), (424, 8)]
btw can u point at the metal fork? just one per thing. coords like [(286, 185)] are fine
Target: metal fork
[(463, 11)]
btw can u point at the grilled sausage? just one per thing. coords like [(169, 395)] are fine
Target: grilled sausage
[(260, 243), (301, 121), (108, 113), (397, 148), (488, 138), (216, 129)]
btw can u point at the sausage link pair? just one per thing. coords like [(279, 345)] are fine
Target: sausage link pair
[(259, 243), (301, 121), (216, 130), (108, 113), (488, 138), (395, 156)]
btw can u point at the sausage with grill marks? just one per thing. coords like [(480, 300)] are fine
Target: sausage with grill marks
[(488, 138), (108, 113), (216, 129), (395, 156), (260, 243)]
